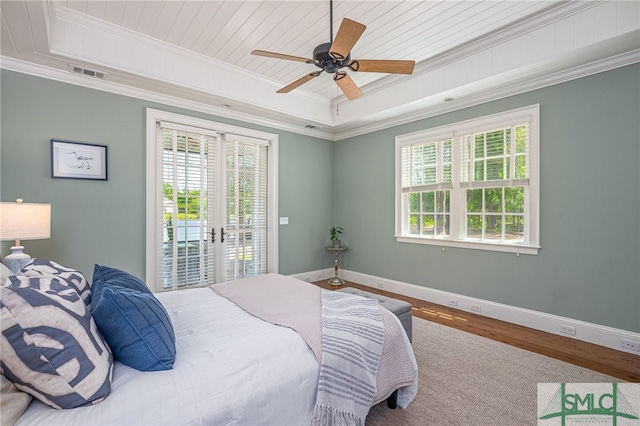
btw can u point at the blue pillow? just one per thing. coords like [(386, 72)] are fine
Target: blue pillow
[(50, 345), (120, 278), (135, 325)]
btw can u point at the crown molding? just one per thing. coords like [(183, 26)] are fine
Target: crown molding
[(30, 68), (503, 91)]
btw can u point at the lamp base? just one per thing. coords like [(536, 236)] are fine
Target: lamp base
[(17, 259)]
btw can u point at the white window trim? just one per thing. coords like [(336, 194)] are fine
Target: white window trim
[(532, 115), (154, 116)]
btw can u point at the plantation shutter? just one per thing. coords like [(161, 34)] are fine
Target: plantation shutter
[(246, 181), (186, 167)]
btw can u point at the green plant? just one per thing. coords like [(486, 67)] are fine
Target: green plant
[(335, 232)]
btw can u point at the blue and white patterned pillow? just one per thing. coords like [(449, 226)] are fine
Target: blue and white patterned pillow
[(50, 269), (50, 346)]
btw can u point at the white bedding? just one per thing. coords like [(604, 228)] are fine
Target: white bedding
[(238, 370)]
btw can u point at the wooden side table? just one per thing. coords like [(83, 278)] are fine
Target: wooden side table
[(336, 264)]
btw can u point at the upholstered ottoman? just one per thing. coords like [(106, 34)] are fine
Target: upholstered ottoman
[(400, 308)]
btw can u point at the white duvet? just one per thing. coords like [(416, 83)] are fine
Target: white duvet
[(231, 368)]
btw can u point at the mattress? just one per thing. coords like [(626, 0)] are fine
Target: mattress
[(230, 368)]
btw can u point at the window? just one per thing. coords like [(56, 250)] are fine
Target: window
[(211, 202), (473, 184)]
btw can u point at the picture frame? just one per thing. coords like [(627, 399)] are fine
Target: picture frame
[(78, 160)]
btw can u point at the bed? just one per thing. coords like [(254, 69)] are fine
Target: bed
[(230, 367)]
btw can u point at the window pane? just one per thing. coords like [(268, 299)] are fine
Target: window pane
[(495, 169), (413, 224), (447, 152), (479, 146), (414, 202), (427, 224), (514, 200), (474, 200), (521, 139), (442, 221), (429, 175), (514, 228), (442, 201), (495, 144), (474, 226), (427, 202), (446, 173), (430, 154), (493, 200), (521, 167), (479, 170), (493, 228)]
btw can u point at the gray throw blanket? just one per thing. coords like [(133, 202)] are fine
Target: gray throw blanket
[(352, 341)]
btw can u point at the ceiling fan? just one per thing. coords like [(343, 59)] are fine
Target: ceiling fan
[(331, 57)]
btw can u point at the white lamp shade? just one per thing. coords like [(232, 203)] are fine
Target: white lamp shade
[(25, 221)]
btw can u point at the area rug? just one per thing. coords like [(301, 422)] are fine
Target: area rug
[(466, 379)]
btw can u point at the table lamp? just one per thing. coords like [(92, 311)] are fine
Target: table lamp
[(23, 221)]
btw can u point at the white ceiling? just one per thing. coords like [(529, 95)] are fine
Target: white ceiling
[(197, 53)]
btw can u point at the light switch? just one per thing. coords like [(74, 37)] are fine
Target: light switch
[(284, 221)]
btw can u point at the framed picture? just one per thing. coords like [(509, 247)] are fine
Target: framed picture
[(75, 160)]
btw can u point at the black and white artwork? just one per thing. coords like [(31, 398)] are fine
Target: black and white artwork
[(76, 160)]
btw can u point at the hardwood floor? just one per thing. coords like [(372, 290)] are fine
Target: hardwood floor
[(594, 357)]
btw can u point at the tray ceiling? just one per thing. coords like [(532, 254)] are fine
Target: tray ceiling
[(199, 52)]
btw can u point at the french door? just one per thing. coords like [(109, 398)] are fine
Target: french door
[(211, 209)]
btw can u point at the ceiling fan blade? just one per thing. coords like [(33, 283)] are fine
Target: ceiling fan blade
[(347, 85), (282, 56), (299, 82), (348, 34), (382, 65)]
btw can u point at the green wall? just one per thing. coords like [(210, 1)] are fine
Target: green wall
[(104, 222), (588, 267)]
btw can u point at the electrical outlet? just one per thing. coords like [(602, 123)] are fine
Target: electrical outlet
[(380, 284), (453, 303), (629, 344), (567, 329), (476, 308)]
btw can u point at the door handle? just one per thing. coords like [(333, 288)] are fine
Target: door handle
[(222, 235), (213, 235)]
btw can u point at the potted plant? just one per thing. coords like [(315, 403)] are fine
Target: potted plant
[(335, 236)]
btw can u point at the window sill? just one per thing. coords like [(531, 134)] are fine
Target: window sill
[(518, 249)]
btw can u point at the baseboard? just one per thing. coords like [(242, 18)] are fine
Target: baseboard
[(320, 274), (587, 332)]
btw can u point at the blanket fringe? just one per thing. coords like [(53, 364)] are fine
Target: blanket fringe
[(328, 416)]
